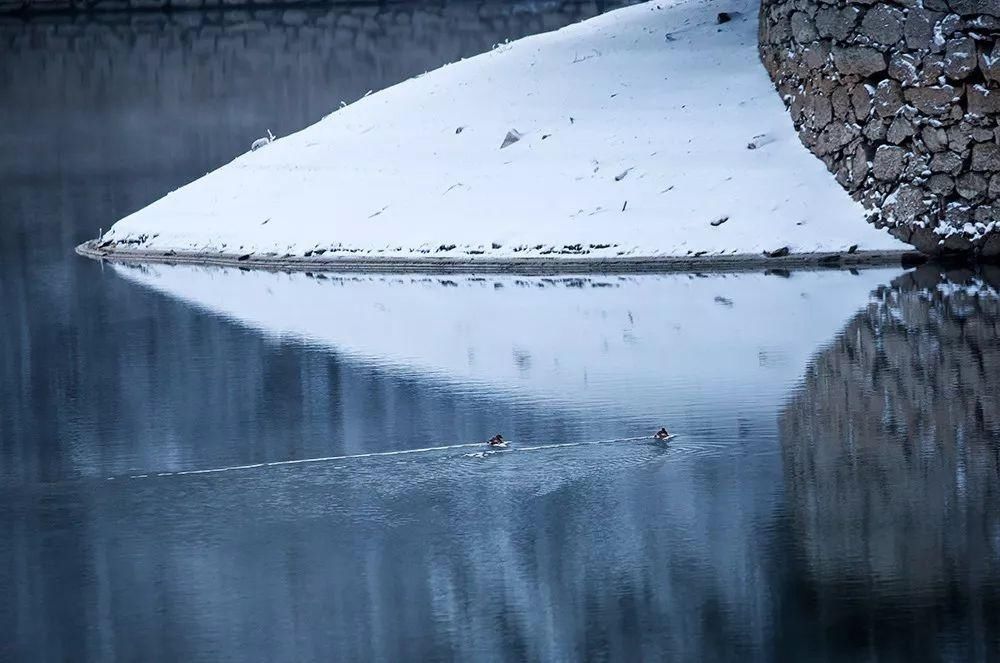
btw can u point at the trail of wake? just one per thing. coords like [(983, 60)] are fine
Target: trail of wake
[(374, 454)]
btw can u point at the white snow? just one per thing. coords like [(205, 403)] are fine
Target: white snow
[(631, 144)]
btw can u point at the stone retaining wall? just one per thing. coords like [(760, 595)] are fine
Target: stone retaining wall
[(900, 100)]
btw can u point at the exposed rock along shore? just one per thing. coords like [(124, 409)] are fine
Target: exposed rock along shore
[(531, 265)]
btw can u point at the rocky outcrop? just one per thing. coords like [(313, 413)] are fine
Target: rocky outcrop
[(900, 100)]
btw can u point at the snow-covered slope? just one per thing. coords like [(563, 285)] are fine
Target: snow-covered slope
[(634, 130)]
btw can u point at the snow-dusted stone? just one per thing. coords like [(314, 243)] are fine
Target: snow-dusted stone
[(932, 100), (960, 58), (630, 146), (883, 24), (888, 163), (888, 98), (931, 127)]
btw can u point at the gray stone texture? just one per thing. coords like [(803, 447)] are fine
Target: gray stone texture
[(901, 101)]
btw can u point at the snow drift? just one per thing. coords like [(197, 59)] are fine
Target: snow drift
[(651, 131)]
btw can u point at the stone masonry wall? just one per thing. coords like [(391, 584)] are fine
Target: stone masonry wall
[(900, 100)]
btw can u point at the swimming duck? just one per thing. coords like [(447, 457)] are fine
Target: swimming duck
[(497, 441), (662, 434)]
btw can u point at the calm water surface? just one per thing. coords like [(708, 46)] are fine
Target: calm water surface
[(832, 493)]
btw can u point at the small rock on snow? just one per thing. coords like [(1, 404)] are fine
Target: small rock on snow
[(718, 222), (512, 137)]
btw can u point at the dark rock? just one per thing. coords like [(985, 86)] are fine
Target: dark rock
[(905, 204), (822, 111), (883, 24), (986, 213), (723, 17), (900, 129), (904, 67), (778, 253), (858, 167), (888, 98), (875, 130), (936, 139), (918, 29), (948, 26), (986, 157), (858, 60), (816, 55), (981, 134), (861, 101), (982, 101), (971, 186), (960, 58), (894, 96), (836, 23), (834, 137), (959, 137), (512, 137), (989, 64), (946, 162), (973, 7), (941, 184), (934, 100), (957, 214), (841, 101), (803, 30), (888, 163), (931, 69)]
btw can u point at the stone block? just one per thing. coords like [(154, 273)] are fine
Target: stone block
[(858, 60), (932, 100), (883, 24)]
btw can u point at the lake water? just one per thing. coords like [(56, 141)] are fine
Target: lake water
[(201, 464)]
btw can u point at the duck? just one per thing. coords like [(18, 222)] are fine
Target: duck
[(662, 434), (497, 441)]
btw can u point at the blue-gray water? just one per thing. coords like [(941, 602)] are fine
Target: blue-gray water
[(831, 494)]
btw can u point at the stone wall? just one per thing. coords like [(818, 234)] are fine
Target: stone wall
[(900, 100)]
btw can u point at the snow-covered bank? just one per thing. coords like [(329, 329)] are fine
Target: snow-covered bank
[(635, 132)]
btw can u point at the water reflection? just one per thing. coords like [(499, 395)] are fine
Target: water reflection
[(891, 453), (845, 514)]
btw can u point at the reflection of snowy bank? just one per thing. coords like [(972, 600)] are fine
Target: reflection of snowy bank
[(616, 341), (625, 135)]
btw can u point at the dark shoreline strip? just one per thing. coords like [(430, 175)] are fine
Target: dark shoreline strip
[(479, 264)]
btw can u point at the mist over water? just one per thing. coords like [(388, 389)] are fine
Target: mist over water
[(830, 495)]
